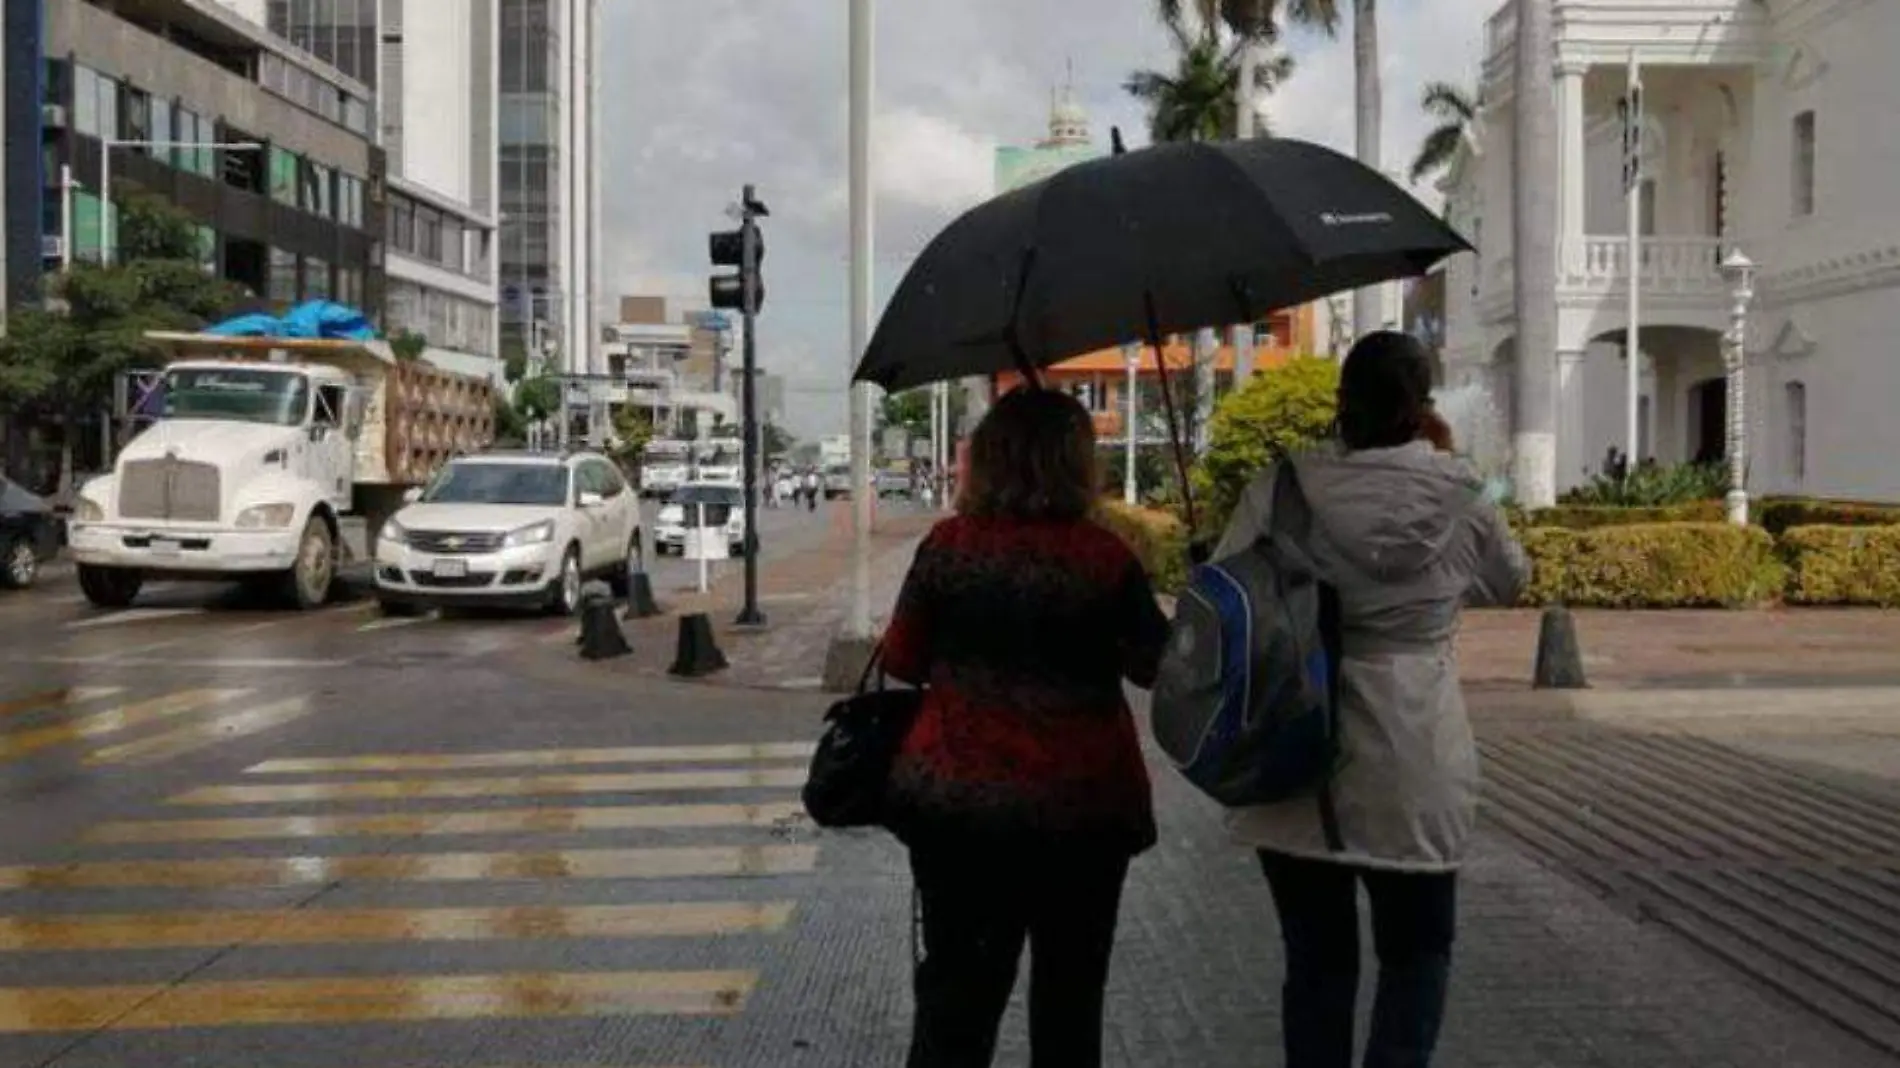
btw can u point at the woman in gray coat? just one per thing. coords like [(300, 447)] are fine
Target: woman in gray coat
[(1403, 531)]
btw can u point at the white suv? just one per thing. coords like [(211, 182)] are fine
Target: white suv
[(511, 529)]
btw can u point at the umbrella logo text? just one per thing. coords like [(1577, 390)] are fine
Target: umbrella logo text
[(1333, 218)]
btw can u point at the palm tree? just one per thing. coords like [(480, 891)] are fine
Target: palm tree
[(1455, 111), (1534, 241), (1198, 101)]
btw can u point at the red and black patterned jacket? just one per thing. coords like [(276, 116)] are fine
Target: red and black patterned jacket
[(1021, 633)]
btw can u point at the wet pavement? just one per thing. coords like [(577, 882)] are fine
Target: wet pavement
[(234, 837)]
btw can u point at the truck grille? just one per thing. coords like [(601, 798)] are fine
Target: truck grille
[(169, 489), (450, 543)]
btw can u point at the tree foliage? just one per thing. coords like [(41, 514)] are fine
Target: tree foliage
[(1197, 100), (775, 440), (1453, 110), (633, 428), (408, 346), (1281, 410), (537, 397), (64, 356)]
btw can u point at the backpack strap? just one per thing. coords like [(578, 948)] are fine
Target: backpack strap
[(1293, 516)]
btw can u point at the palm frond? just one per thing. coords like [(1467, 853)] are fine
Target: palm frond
[(1437, 150), (1321, 15), (1443, 100)]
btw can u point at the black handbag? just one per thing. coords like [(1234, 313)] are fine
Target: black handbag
[(851, 768)]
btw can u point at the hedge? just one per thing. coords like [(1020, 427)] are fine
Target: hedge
[(1159, 539), (1843, 565), (1593, 516), (1653, 565), (1779, 514)]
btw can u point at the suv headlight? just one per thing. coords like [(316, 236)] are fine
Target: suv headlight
[(88, 511), (394, 532), (533, 534), (266, 516)]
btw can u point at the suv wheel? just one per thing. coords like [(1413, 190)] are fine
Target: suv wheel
[(109, 587), (564, 594), (19, 564), (633, 563)]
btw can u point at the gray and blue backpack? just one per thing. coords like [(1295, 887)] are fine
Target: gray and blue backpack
[(1244, 700)]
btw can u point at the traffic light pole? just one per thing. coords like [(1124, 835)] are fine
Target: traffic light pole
[(749, 615)]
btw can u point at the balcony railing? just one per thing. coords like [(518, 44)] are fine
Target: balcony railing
[(1688, 265)]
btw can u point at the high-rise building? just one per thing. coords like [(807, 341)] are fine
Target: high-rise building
[(437, 115), (550, 193)]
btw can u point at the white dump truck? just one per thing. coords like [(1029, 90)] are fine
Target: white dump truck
[(273, 462)]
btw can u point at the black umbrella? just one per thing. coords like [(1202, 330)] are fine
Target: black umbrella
[(1158, 241)]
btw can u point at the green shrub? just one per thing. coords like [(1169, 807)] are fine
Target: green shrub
[(1653, 486), (1592, 516), (1843, 565), (1283, 409), (1778, 514), (1156, 537), (1653, 565)]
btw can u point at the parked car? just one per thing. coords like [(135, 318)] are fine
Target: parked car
[(892, 484), (837, 481), (30, 535), (725, 507), (511, 529)]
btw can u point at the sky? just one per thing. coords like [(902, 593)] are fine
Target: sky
[(700, 97)]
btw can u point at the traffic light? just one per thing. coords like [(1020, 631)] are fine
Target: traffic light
[(742, 248)]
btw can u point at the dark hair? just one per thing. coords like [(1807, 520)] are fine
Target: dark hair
[(1385, 391), (1032, 457)]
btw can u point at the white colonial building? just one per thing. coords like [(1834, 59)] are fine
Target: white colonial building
[(1773, 126)]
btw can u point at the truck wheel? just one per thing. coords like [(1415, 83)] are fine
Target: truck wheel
[(19, 564), (109, 587), (564, 594), (307, 584)]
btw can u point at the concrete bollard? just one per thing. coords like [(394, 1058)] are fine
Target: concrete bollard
[(698, 653), (1559, 656), (640, 602), (601, 638)]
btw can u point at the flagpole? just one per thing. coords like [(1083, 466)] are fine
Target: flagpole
[(1633, 194)]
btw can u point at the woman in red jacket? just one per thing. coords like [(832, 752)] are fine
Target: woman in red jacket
[(1021, 790)]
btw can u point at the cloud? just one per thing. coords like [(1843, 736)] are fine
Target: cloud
[(699, 97)]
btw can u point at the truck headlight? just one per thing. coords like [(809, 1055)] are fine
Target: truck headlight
[(88, 511), (533, 534), (266, 516)]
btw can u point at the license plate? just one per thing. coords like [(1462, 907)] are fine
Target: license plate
[(450, 569), (166, 547)]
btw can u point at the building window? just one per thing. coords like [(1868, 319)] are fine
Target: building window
[(283, 277), (1795, 396), (429, 234), (137, 117), (283, 176), (86, 227), (402, 224), (193, 130), (95, 103), (317, 196), (1804, 164), (349, 286), (316, 279), (1646, 208), (161, 125)]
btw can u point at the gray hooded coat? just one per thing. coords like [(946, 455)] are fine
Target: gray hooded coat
[(1408, 539)]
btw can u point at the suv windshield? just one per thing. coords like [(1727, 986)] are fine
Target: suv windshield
[(239, 395), (707, 495), (494, 483)]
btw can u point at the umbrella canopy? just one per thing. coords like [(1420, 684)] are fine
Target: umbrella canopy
[(1162, 240)]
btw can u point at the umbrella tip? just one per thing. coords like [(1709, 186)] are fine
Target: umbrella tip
[(1115, 140)]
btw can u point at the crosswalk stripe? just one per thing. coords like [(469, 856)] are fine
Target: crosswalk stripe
[(685, 862), (65, 697), (112, 720), (517, 786), (491, 821), (164, 930), (209, 732), (537, 758), (132, 615), (352, 1000)]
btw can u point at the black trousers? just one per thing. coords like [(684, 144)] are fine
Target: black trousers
[(1413, 919), (980, 905)]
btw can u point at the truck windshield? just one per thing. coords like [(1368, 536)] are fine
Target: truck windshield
[(466, 483), (237, 395)]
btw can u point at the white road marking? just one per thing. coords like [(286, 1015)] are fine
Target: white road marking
[(391, 622), (132, 615), (234, 663)]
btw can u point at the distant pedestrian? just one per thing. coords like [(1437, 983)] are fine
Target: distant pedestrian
[(811, 490), (1020, 789), (1405, 535)]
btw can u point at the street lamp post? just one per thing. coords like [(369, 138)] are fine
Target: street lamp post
[(1739, 271), (107, 144)]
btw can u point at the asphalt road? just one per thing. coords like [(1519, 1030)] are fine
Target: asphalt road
[(238, 837)]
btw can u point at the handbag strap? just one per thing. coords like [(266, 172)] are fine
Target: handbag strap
[(875, 663)]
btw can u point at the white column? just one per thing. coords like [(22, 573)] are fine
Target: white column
[(1570, 164), (858, 621), (1573, 453), (1131, 431)]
